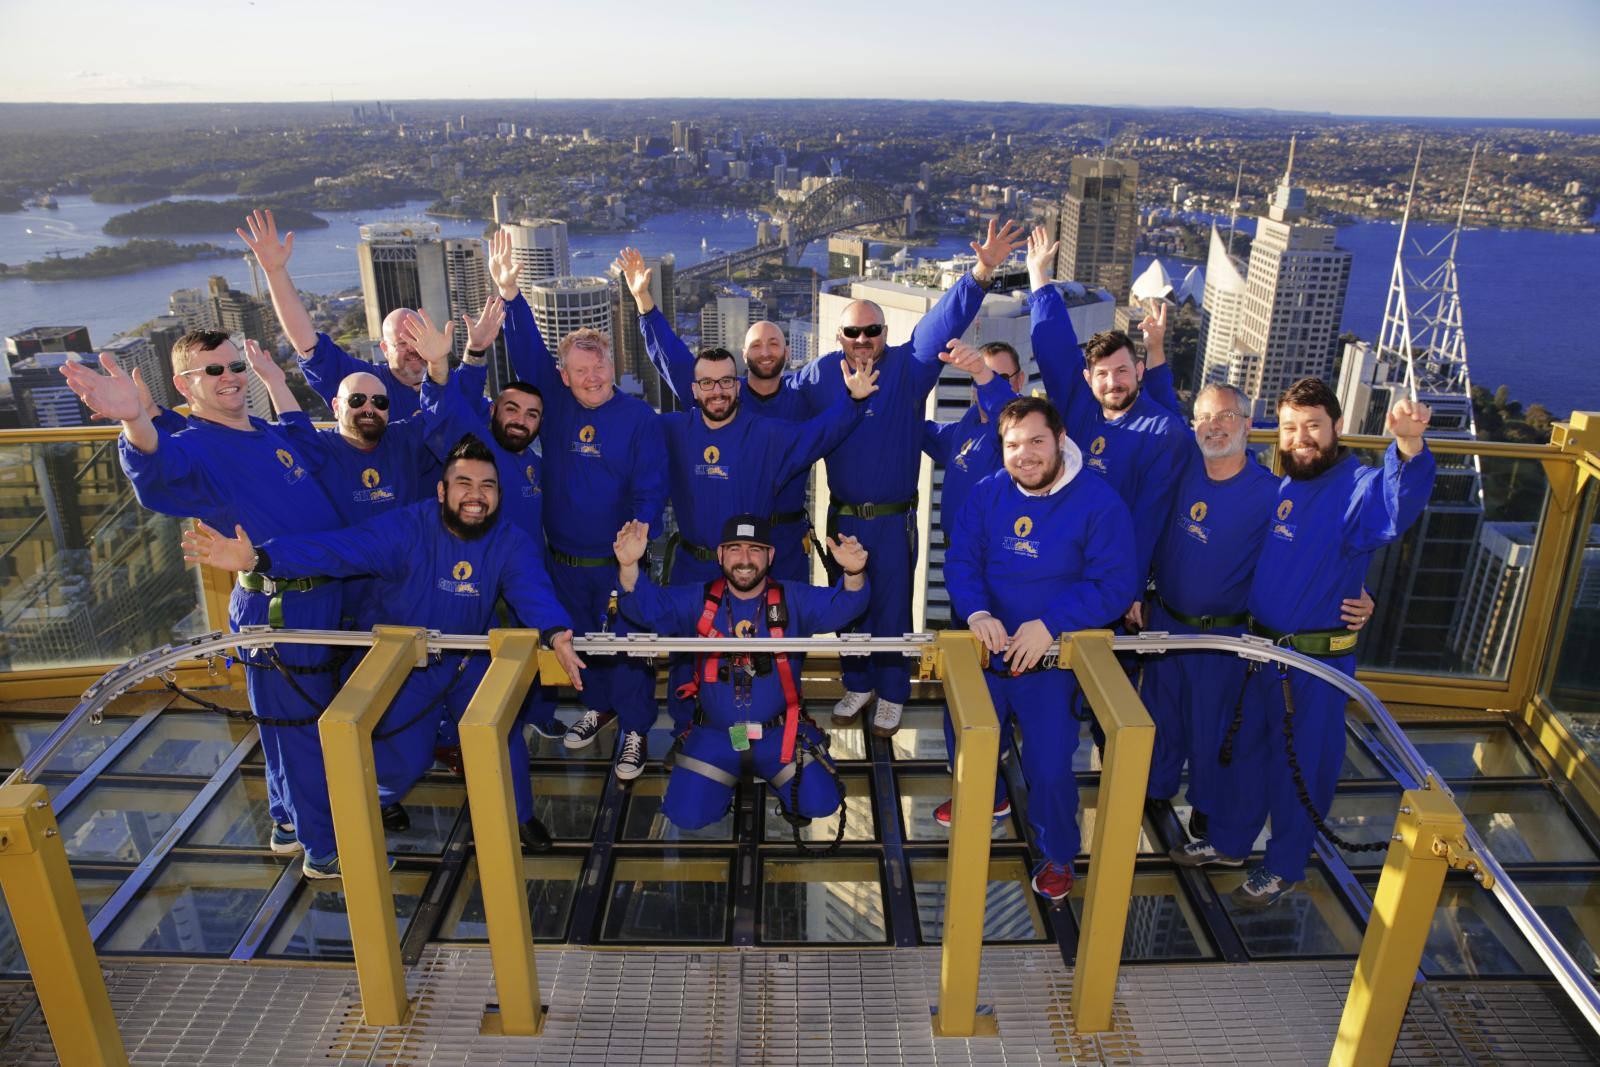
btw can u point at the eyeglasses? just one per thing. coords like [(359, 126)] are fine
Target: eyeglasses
[(708, 384), (1221, 418), (214, 370), (870, 330), (359, 400)]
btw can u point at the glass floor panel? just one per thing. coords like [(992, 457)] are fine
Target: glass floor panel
[(643, 820), (433, 808), (122, 822), (193, 744), (195, 905), (859, 824), (1570, 905), (552, 887), (921, 793), (839, 901), (1311, 921), (1011, 909), (567, 800), (1524, 825), (1473, 751), (1363, 818), (238, 817), (668, 899), (20, 735), (317, 925), (1471, 937), (921, 735), (1088, 804), (94, 889), (1162, 924)]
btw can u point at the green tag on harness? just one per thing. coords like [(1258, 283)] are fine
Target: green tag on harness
[(740, 736)]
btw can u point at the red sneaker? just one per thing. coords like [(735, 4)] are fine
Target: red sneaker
[(941, 814), (1053, 880)]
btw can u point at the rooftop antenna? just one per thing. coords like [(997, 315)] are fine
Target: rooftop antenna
[(1288, 171)]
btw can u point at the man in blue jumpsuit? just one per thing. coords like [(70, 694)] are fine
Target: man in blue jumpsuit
[(440, 565), (1331, 514), (873, 485), (603, 455), (1039, 550), (748, 705), (231, 469)]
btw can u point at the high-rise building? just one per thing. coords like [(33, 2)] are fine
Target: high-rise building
[(539, 248), (36, 339), (847, 255), (802, 342), (402, 266), (240, 315), (725, 319), (165, 330), (136, 353), (1217, 351), (561, 305), (629, 342), (1097, 224), (41, 393), (1293, 302), (502, 207), (466, 272), (192, 307)]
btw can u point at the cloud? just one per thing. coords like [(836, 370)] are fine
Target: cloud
[(94, 81)]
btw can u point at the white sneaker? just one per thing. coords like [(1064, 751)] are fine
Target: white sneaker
[(631, 762), (850, 706), (886, 717)]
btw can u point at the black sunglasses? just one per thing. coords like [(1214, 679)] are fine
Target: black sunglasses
[(215, 370), (853, 332), (357, 400)]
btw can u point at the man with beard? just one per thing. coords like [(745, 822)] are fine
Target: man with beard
[(1331, 514), (603, 466), (440, 565), (749, 713), (324, 363), (1040, 549), (761, 392), (1126, 437)]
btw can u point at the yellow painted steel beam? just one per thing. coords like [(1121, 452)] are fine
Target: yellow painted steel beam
[(1427, 836), (1130, 739), (512, 669), (72, 681), (55, 938), (346, 732), (976, 761), (1568, 752), (1441, 445)]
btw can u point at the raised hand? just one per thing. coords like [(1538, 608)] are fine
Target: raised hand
[(1028, 645), (861, 381), (630, 267), (848, 553), (1154, 326), (1409, 418), (963, 356), (502, 267), (482, 333), (113, 395), (1041, 256), (1001, 240), (202, 544), (265, 367), (631, 542), (567, 656), (431, 343), (992, 632), (270, 252)]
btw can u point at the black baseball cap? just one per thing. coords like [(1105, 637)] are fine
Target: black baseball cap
[(752, 528)]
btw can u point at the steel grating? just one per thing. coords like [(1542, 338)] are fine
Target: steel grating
[(765, 1006)]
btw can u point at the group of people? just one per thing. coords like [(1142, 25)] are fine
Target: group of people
[(430, 505)]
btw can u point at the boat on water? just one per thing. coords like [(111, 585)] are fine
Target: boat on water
[(44, 200)]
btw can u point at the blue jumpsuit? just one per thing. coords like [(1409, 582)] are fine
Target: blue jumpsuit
[(1204, 562), (429, 577), (603, 467), (701, 786), (1319, 541), (1064, 559), (878, 464), (259, 479), (328, 365), (675, 363)]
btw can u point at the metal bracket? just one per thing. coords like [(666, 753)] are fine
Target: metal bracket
[(1460, 855)]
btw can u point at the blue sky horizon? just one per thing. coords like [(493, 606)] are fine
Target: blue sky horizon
[(1369, 58)]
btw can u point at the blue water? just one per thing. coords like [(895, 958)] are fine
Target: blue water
[(1527, 295)]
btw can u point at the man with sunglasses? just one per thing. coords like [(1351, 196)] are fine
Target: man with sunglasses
[(873, 493), (233, 470)]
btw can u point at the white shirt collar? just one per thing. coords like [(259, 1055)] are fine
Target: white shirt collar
[(1071, 465)]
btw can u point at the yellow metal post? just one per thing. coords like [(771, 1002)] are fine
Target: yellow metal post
[(512, 669), (346, 732), (976, 761), (55, 938), (1427, 838), (1130, 738)]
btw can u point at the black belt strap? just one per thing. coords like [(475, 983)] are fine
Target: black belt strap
[(1327, 644), (871, 510), (567, 560), (1204, 622)]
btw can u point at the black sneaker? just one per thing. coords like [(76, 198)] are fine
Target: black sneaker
[(630, 763), (582, 733), (1197, 823), (395, 819), (535, 838)]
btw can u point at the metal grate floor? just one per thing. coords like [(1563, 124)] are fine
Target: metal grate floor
[(771, 1007)]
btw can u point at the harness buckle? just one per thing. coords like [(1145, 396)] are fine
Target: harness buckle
[(866, 511)]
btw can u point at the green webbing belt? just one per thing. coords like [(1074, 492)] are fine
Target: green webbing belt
[(258, 583), (787, 518), (1205, 622), (870, 510), (1324, 643)]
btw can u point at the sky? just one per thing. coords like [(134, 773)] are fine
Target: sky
[(1479, 58)]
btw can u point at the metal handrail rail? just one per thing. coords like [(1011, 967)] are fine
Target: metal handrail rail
[(1418, 774)]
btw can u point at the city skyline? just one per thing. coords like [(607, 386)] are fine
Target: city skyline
[(1376, 59)]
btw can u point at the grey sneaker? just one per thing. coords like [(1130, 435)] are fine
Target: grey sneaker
[(1261, 889), (886, 717), (1202, 853), (849, 706)]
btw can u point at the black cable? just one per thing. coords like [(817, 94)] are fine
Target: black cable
[(1300, 788), (794, 804)]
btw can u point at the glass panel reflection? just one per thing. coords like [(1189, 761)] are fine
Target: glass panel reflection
[(1358, 762), (668, 899), (20, 736), (601, 748), (1524, 825), (193, 744), (1362, 818), (643, 821), (830, 901), (1571, 908), (1311, 921), (858, 823), (433, 808), (1472, 751), (317, 924), (1471, 937), (1162, 925), (237, 818), (567, 800), (196, 904), (920, 794), (122, 823), (1011, 909), (847, 742), (921, 735), (94, 889), (1088, 803), (1572, 681), (552, 887)]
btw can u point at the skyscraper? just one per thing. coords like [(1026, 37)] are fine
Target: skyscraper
[(137, 353), (1097, 224), (240, 315), (539, 247), (630, 351), (466, 273), (402, 266), (561, 305), (1293, 301), (726, 318), (42, 396), (36, 339), (1220, 311)]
